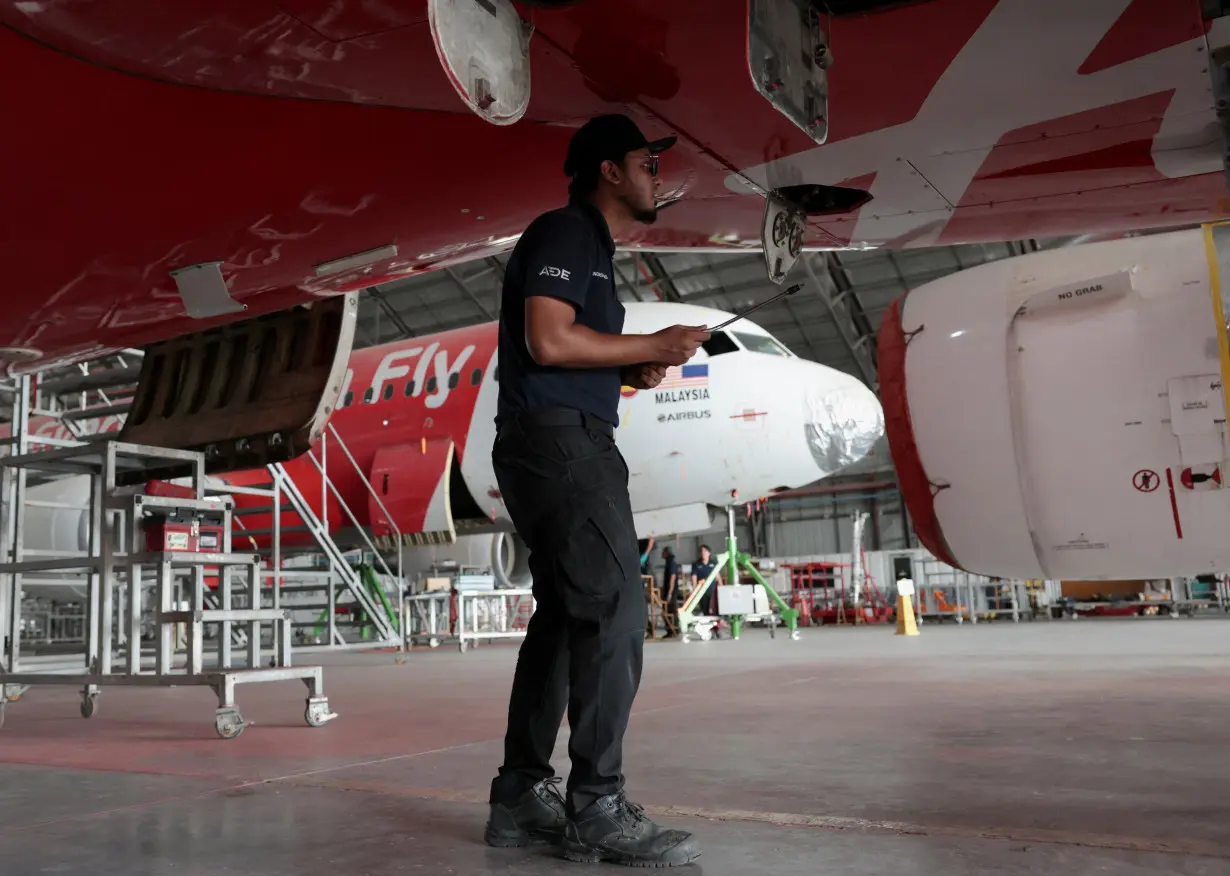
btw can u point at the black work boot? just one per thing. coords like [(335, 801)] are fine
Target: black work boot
[(537, 817), (613, 829)]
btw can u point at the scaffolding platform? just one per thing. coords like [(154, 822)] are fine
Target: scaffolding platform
[(427, 617), (115, 566), (489, 615), (949, 593)]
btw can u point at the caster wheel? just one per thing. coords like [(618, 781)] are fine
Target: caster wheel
[(461, 646), (317, 713), (400, 660), (794, 635), (89, 705), (229, 723), (3, 709), (433, 642)]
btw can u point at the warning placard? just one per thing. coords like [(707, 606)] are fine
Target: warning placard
[(1146, 480), (1201, 477)]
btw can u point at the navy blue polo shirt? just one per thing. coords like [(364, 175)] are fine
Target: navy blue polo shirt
[(564, 254)]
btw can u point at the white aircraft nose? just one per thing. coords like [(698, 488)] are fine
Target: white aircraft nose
[(843, 422)]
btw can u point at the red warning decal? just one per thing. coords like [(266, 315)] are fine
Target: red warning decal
[(1174, 504), (1146, 480), (1201, 477)]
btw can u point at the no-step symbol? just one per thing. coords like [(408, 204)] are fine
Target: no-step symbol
[(1145, 480)]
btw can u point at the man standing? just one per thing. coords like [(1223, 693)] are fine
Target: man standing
[(565, 484), (700, 571), (670, 587)]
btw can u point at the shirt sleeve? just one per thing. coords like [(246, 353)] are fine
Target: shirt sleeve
[(561, 261)]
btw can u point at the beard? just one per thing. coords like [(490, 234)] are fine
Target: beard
[(647, 215)]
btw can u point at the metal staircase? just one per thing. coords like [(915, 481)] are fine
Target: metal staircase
[(372, 608), (342, 596)]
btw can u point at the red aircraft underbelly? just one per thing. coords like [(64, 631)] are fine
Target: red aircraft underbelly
[(146, 136)]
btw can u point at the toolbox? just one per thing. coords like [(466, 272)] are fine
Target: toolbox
[(183, 530)]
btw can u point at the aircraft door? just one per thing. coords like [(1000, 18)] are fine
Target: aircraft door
[(410, 493)]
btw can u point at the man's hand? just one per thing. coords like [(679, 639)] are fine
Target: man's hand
[(643, 377), (677, 344)]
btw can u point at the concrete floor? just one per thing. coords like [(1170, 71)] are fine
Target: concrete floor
[(1064, 747)]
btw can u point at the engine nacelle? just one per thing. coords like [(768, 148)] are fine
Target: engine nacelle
[(503, 552), (510, 560), (63, 529), (1061, 415)]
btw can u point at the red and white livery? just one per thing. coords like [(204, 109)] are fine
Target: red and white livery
[(419, 424)]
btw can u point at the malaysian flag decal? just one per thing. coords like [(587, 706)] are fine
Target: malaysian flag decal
[(685, 377)]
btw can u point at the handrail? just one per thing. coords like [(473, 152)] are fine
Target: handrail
[(304, 510), (346, 508), (372, 490)]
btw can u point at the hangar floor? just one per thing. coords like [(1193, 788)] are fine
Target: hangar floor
[(1079, 747)]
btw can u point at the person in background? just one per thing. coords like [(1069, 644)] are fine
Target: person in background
[(646, 569), (670, 586), (700, 571)]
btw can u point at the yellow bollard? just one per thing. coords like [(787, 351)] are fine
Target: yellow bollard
[(906, 625)]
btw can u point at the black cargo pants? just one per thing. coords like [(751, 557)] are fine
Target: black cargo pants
[(566, 489)]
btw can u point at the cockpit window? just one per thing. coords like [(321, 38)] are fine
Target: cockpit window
[(719, 343), (761, 344)]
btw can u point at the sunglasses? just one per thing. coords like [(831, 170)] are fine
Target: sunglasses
[(651, 165)]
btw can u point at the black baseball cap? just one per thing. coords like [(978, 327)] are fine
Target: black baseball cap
[(608, 137)]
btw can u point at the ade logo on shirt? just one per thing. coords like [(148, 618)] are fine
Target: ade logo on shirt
[(549, 271)]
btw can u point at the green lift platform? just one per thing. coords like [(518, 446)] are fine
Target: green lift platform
[(734, 563)]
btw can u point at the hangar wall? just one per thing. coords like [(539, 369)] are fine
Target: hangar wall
[(807, 526)]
